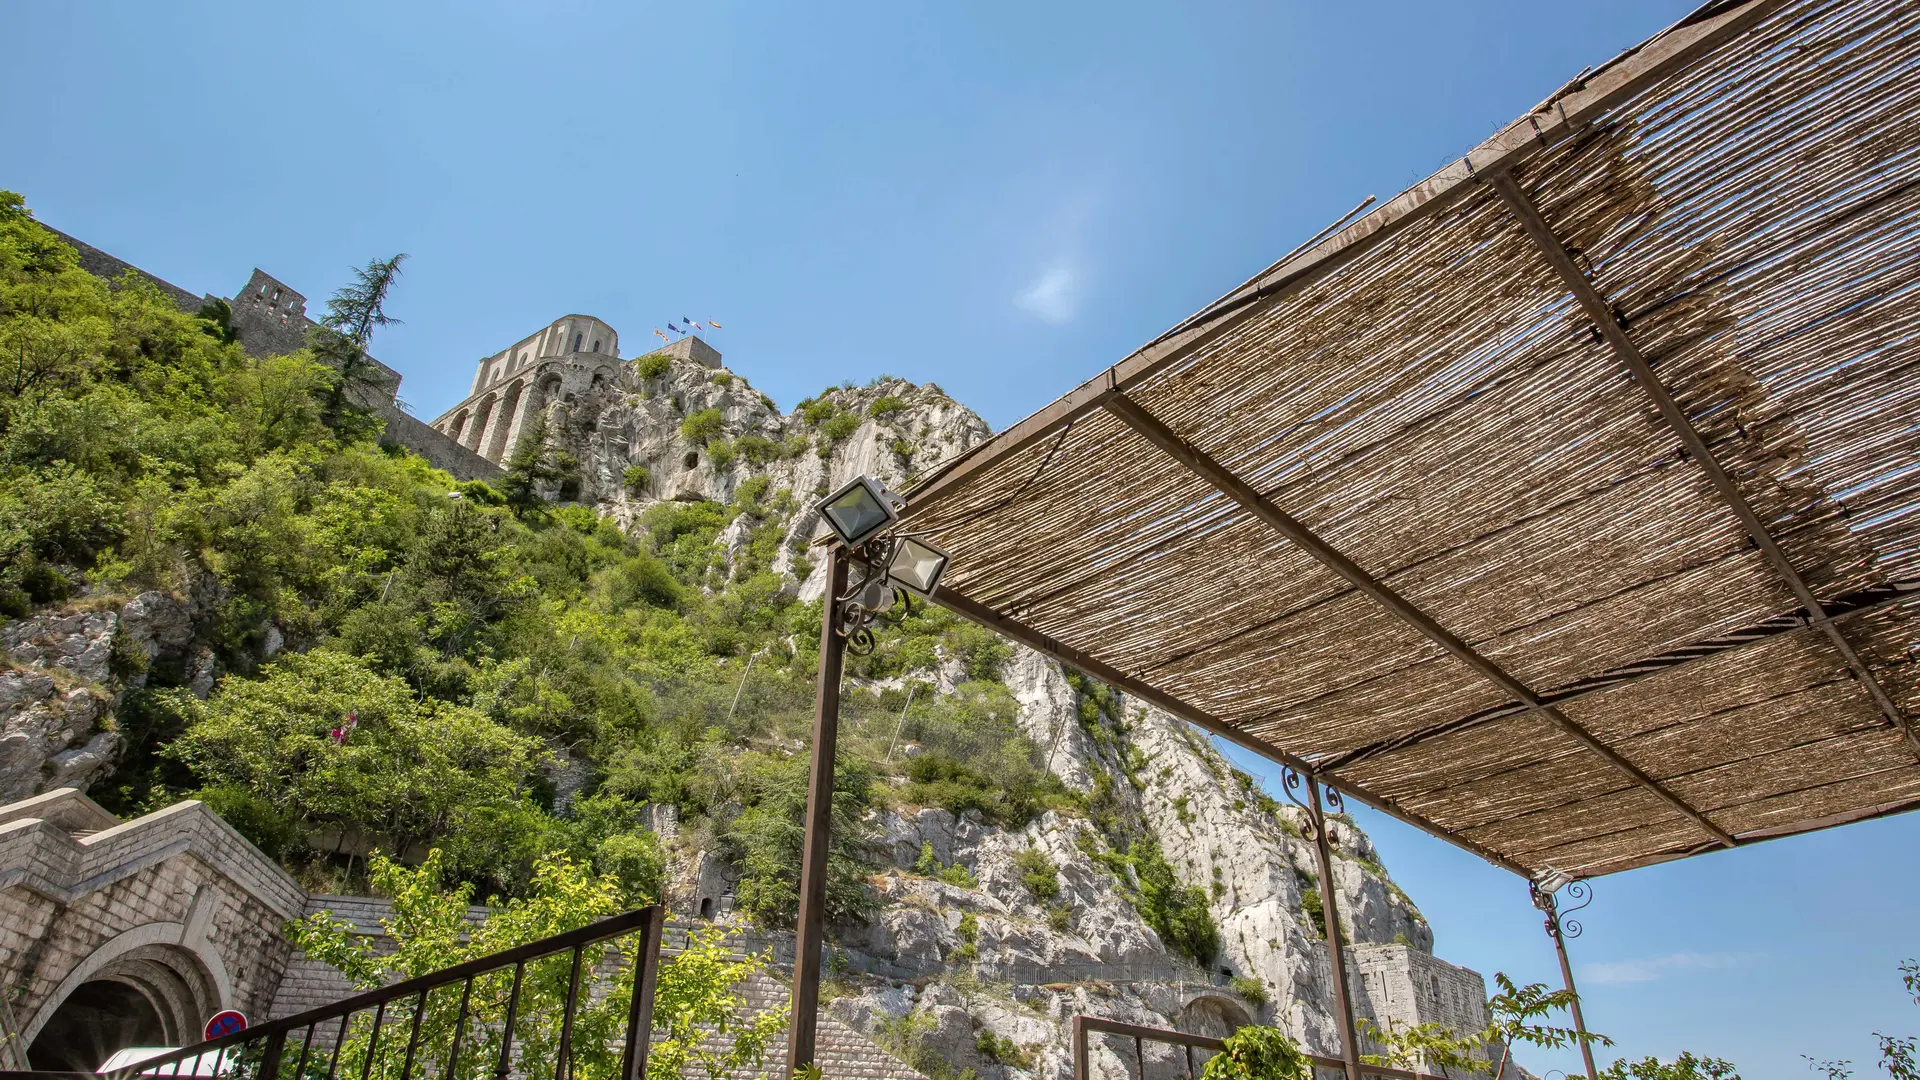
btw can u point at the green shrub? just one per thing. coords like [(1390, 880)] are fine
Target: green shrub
[(652, 365), (817, 411), (1060, 918), (837, 429), (1315, 910), (757, 449), (1254, 990), (723, 379), (969, 931), (636, 478), (1010, 801), (885, 406), (1257, 1052), (721, 452), (701, 426), (1003, 1051), (1038, 873)]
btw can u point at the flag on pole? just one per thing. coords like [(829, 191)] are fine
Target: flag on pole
[(339, 734), (697, 326), (713, 324), (675, 329), (661, 336)]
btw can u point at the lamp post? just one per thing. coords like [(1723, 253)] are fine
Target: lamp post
[(1560, 928), (1330, 909), (860, 515)]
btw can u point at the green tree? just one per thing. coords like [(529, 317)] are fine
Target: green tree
[(533, 464), (706, 1024), (1256, 1052), (1684, 1067), (1516, 1014), (409, 772), (354, 312)]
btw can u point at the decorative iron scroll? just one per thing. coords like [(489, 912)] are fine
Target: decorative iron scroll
[(866, 601), (1291, 780), (1557, 921)]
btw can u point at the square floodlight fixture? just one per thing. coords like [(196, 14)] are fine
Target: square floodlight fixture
[(916, 566), (858, 511)]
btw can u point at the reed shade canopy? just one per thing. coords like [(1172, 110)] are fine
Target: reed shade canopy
[(1566, 505)]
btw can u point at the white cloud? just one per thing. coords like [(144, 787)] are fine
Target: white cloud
[(1054, 296), (1649, 968)]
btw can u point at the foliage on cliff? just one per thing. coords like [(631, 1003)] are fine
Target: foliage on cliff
[(482, 643)]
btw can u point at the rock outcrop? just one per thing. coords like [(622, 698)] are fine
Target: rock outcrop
[(65, 673), (985, 976)]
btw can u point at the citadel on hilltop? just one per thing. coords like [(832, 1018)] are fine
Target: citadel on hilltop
[(567, 357)]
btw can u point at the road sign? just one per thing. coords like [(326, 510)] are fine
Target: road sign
[(224, 1023)]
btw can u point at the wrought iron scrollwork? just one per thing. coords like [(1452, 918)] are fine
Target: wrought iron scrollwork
[(1291, 781), (862, 605), (1557, 914)]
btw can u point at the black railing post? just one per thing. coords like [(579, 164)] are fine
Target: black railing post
[(459, 1029), (339, 1040), (373, 1041), (646, 969), (270, 1064), (562, 1065), (505, 1067), (413, 1037)]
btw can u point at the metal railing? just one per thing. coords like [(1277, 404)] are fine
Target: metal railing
[(522, 1014), (1084, 1026)]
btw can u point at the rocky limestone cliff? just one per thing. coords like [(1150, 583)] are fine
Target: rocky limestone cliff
[(953, 977), (986, 977)]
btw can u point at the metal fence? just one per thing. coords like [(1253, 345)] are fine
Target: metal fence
[(560, 1008), (1086, 1026)]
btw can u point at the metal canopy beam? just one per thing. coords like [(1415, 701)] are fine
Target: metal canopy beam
[(1629, 354), (1551, 123), (968, 608), (1863, 602), (1230, 485)]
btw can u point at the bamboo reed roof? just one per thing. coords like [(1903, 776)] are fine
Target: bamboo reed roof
[(1568, 504)]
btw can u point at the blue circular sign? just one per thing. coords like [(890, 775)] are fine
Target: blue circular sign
[(224, 1023)]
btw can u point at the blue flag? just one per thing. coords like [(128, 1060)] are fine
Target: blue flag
[(675, 329)]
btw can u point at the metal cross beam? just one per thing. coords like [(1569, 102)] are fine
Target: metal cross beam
[(1230, 485), (968, 608), (1629, 354), (1858, 603)]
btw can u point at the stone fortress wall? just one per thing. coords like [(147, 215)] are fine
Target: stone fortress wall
[(552, 366), (271, 318)]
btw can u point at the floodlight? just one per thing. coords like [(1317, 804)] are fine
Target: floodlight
[(916, 566), (859, 510)]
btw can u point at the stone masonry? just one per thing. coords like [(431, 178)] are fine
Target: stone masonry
[(271, 318), (179, 907)]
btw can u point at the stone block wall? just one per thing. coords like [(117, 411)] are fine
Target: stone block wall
[(176, 902)]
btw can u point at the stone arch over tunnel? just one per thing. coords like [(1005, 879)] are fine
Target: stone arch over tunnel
[(1216, 1015), (129, 993)]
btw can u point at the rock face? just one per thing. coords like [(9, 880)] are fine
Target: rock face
[(67, 671), (963, 962)]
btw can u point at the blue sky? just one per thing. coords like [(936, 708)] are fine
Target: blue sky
[(1002, 198)]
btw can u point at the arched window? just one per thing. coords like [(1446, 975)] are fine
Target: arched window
[(577, 338), (596, 344)]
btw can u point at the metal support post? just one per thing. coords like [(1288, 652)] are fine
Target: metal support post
[(819, 821), (1556, 921), (1330, 908)]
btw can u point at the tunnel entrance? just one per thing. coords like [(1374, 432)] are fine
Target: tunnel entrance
[(96, 1020)]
